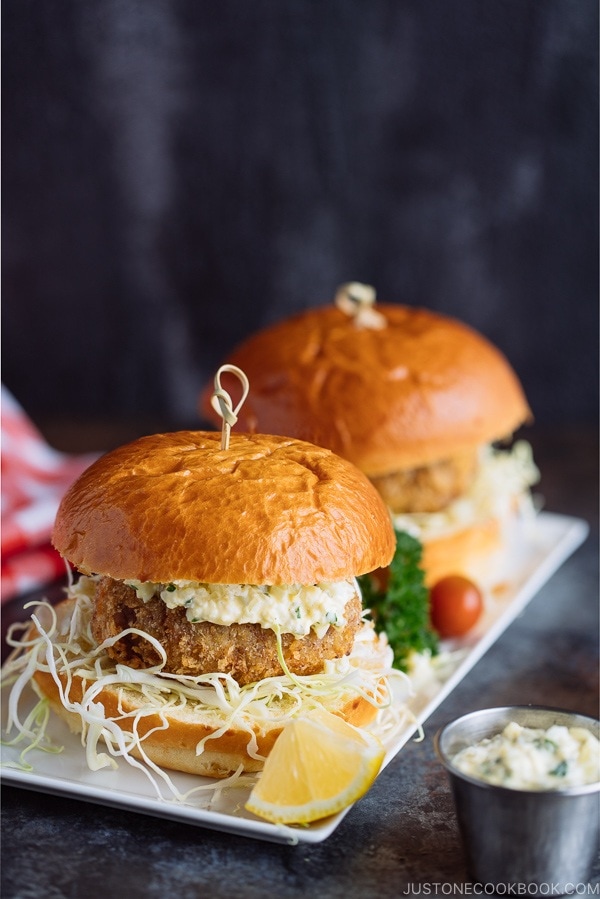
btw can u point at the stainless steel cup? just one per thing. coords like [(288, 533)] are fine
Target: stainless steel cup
[(522, 837)]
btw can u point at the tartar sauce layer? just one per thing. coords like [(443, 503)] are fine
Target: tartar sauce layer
[(525, 758), (293, 609)]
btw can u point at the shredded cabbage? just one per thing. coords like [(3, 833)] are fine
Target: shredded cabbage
[(501, 485), (65, 648)]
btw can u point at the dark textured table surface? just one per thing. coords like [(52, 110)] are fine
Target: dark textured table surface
[(402, 837)]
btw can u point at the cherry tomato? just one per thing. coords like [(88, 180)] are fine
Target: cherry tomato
[(455, 605)]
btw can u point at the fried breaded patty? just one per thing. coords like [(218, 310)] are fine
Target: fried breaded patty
[(430, 488), (246, 651)]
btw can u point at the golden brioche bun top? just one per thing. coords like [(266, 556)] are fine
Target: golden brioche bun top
[(267, 510), (422, 388)]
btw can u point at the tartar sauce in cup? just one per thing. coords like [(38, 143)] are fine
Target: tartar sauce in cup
[(526, 758)]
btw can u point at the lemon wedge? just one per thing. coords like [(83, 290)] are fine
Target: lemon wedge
[(318, 766)]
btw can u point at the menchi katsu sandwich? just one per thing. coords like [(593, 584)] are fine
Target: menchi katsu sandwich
[(216, 600), (417, 400)]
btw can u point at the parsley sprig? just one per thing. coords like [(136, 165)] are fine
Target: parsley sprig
[(401, 608)]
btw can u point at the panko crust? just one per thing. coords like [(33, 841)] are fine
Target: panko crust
[(428, 488), (248, 652)]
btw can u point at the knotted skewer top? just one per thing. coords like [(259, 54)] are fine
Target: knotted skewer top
[(222, 403), (357, 300)]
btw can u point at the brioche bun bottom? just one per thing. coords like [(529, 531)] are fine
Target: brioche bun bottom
[(476, 534), (170, 737), (174, 747), (474, 552)]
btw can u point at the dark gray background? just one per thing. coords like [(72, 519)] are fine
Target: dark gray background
[(177, 174)]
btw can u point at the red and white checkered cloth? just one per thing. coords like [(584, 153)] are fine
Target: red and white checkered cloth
[(34, 479)]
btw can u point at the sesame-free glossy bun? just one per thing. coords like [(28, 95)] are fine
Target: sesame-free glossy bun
[(422, 388), (267, 510)]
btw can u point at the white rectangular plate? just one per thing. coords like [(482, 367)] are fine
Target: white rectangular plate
[(548, 542)]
